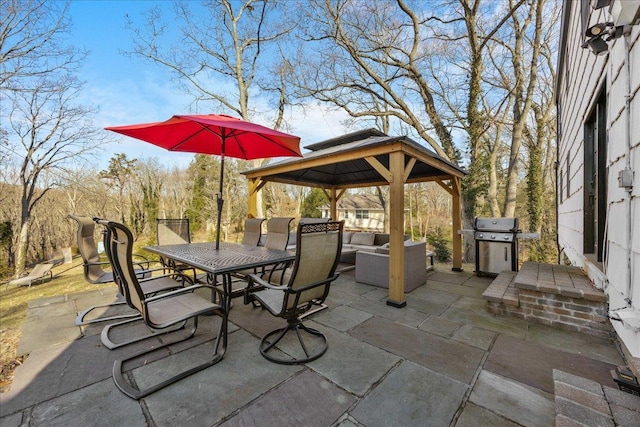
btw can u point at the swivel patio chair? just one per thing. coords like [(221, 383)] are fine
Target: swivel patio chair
[(160, 312), (96, 270), (40, 272), (318, 248), (175, 231)]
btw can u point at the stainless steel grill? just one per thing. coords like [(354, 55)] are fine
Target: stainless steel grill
[(496, 245)]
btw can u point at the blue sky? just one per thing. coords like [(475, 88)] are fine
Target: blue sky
[(129, 91)]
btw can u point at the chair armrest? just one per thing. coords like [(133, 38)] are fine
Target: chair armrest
[(314, 284), (98, 263), (173, 274), (253, 278), (188, 289), (141, 256)]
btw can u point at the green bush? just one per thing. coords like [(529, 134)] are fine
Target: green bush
[(440, 245)]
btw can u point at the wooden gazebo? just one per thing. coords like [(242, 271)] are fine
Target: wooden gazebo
[(365, 159)]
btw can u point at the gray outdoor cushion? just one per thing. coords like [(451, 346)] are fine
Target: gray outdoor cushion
[(363, 238), (346, 237)]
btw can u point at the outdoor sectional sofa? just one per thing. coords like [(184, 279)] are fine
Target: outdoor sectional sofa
[(372, 268)]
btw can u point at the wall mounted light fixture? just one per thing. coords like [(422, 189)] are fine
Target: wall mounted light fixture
[(597, 36)]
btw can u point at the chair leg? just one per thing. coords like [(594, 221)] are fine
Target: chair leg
[(80, 318), (293, 325), (219, 351), (107, 342)]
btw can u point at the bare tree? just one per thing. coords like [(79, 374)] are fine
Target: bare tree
[(46, 131), (118, 178), (31, 41), (222, 54), (43, 128)]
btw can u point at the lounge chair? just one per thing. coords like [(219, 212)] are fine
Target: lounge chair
[(160, 312), (318, 248), (39, 273)]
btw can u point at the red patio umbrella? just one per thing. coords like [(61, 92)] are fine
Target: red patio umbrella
[(215, 134)]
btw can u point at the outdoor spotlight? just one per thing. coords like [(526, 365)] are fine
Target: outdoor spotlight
[(597, 45), (598, 30)]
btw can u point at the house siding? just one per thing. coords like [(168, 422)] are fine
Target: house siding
[(583, 76)]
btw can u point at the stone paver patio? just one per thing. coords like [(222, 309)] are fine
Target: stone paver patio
[(444, 360)]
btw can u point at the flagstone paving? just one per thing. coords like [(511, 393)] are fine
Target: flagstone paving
[(441, 361)]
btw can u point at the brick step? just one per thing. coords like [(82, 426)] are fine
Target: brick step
[(556, 279), (502, 290), (553, 295), (583, 402)]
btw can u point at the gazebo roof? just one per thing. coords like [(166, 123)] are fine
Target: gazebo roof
[(351, 161)]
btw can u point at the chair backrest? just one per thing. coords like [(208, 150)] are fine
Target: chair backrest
[(172, 231), (278, 233), (252, 231), (107, 251), (93, 272), (121, 247), (318, 249)]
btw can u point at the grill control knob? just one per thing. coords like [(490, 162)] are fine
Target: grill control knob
[(506, 237), (480, 235), (493, 237)]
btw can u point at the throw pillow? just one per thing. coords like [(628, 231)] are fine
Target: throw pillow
[(363, 239), (346, 237)]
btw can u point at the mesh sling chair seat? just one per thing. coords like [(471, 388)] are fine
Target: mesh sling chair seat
[(94, 269), (160, 312), (175, 231), (150, 286), (318, 248)]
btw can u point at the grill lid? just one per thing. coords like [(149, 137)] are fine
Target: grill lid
[(496, 224)]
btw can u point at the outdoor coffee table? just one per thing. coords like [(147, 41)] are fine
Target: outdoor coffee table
[(230, 258)]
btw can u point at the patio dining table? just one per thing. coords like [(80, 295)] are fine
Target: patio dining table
[(228, 259)]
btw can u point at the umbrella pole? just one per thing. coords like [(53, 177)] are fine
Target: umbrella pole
[(219, 197)]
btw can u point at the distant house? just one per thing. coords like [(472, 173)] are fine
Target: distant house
[(598, 164), (359, 211)]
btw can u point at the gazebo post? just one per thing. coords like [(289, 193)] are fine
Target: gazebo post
[(456, 221), (396, 230), (254, 184), (334, 204)]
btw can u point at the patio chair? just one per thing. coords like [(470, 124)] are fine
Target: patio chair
[(278, 233), (40, 272), (175, 231), (317, 256), (160, 312), (94, 269), (252, 231), (277, 238), (150, 286), (252, 234)]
